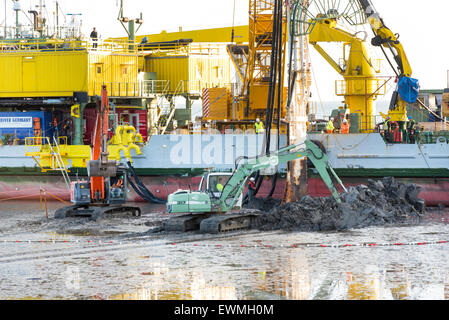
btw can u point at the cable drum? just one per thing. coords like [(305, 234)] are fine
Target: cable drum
[(306, 14)]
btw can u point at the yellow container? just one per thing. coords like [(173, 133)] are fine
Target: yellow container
[(190, 73), (218, 102), (31, 69), (117, 71), (36, 74)]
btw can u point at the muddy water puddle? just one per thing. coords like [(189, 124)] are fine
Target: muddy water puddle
[(246, 265)]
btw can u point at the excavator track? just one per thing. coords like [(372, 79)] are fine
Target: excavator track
[(209, 223), (185, 223), (227, 223), (95, 213)]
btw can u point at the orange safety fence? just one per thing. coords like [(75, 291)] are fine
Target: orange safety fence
[(42, 199), (43, 195)]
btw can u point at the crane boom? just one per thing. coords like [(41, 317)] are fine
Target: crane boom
[(385, 38)]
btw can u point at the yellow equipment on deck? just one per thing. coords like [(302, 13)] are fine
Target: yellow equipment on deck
[(57, 155), (360, 86)]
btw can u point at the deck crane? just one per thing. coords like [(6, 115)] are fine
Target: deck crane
[(360, 86), (106, 189), (408, 88), (211, 214)]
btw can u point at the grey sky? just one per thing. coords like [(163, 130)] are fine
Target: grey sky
[(422, 28)]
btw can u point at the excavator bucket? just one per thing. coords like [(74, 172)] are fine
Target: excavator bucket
[(97, 169)]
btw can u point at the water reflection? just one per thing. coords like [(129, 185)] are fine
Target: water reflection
[(202, 291), (286, 276), (152, 270), (366, 285), (164, 283), (399, 283)]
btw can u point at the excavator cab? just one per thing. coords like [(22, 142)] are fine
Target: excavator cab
[(210, 183), (200, 201), (115, 189), (118, 186)]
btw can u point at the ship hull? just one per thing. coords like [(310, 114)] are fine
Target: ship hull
[(435, 191), (169, 163)]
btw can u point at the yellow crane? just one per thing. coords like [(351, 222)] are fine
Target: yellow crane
[(385, 38), (360, 86), (253, 62)]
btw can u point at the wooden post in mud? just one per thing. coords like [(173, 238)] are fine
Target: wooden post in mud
[(46, 211), (297, 185)]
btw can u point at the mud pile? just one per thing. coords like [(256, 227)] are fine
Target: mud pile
[(382, 202), (263, 205)]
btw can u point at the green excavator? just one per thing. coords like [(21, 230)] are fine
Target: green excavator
[(210, 212)]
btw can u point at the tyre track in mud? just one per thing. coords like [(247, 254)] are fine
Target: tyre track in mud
[(126, 243)]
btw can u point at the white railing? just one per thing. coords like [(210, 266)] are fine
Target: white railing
[(43, 147), (141, 89)]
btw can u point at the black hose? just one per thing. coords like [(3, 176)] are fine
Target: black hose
[(275, 80), (279, 91), (137, 190), (140, 188)]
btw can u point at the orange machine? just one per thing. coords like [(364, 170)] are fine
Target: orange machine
[(107, 186)]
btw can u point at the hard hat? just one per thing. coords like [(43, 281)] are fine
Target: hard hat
[(332, 119), (257, 120), (409, 117), (345, 121), (252, 179)]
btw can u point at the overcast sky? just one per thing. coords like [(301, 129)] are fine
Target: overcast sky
[(421, 24)]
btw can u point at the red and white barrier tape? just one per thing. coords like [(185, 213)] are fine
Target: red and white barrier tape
[(220, 246)]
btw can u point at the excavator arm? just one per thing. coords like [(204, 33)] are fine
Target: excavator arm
[(234, 187)]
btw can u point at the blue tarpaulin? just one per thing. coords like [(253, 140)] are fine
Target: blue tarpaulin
[(408, 89)]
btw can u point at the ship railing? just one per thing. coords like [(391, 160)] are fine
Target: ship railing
[(202, 49), (371, 124), (36, 146), (197, 86), (40, 148), (152, 88), (140, 89), (373, 87), (56, 45)]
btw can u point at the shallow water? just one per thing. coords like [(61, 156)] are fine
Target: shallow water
[(235, 266)]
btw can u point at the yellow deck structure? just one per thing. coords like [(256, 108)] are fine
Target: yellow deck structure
[(56, 155), (190, 68), (217, 35), (59, 68)]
